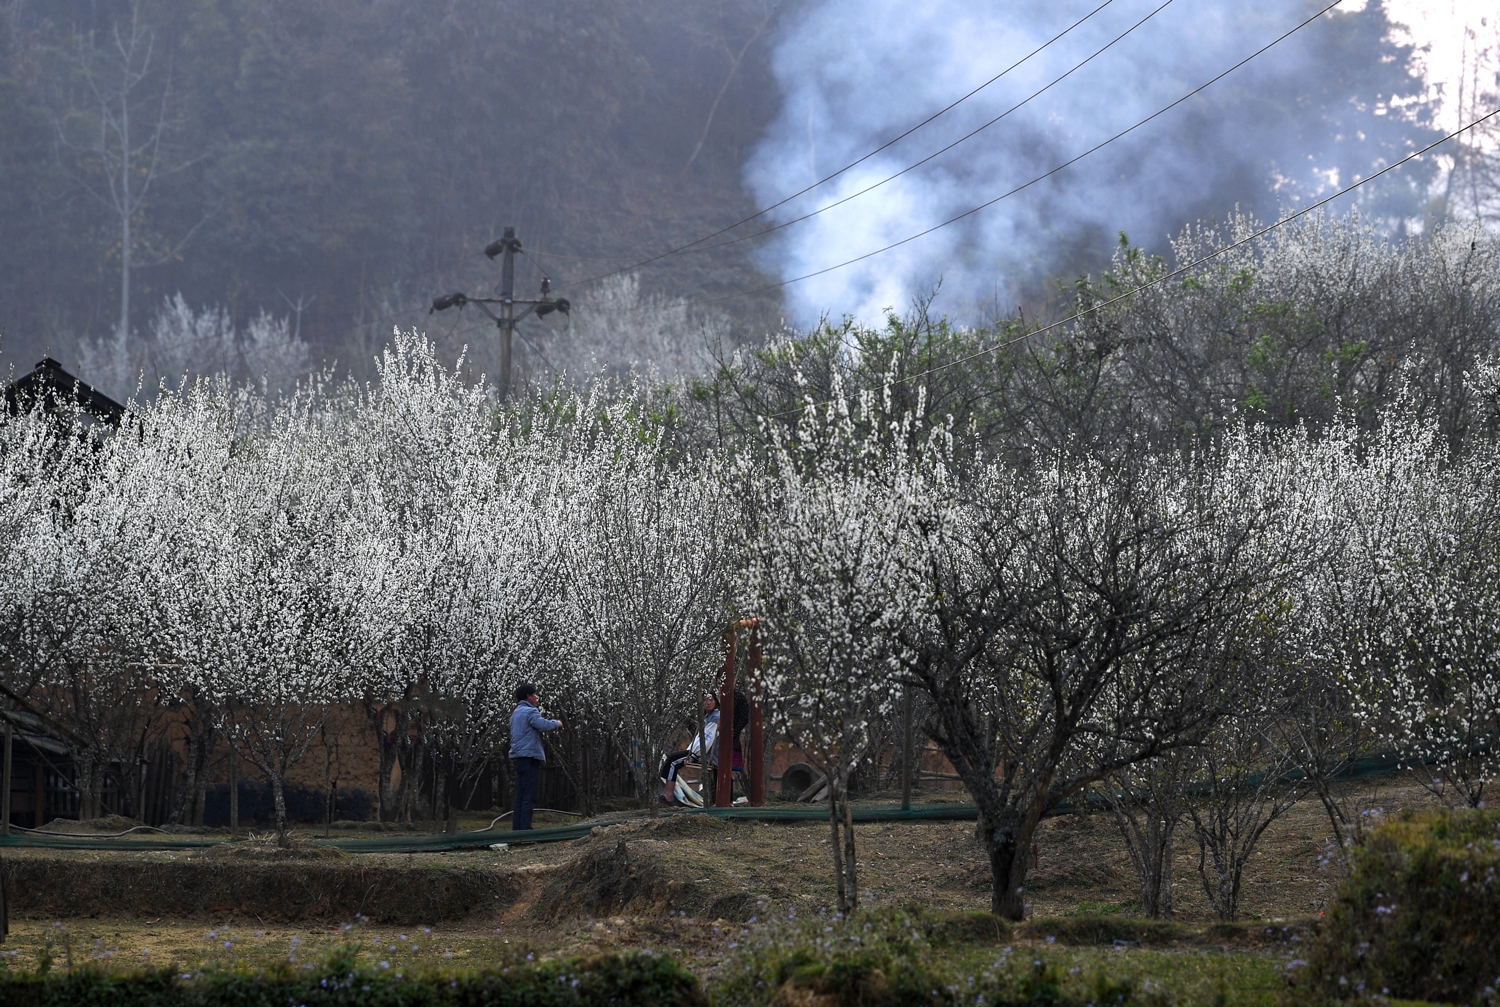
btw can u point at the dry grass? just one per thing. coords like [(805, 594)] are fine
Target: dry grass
[(681, 882)]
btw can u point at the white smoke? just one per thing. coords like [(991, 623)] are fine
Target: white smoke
[(855, 73)]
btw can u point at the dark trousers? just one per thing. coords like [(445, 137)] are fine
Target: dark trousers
[(528, 782), (672, 764)]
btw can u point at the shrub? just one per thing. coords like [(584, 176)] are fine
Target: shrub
[(1109, 929), (1419, 914), (906, 959), (644, 980)]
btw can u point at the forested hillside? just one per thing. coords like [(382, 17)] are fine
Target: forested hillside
[(259, 187), (337, 162)]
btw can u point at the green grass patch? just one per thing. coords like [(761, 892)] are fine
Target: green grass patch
[(880, 959), (1087, 908), (1110, 929), (637, 979), (895, 959)]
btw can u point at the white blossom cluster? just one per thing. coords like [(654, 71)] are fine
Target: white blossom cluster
[(258, 561), (254, 561), (1269, 608)]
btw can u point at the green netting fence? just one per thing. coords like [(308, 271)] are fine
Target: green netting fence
[(444, 841), (1377, 765)]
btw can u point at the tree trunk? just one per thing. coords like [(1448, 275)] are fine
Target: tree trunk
[(588, 783), (278, 796), (1222, 884), (328, 786), (200, 790), (1006, 898), (86, 766), (385, 745), (1161, 904), (1148, 822), (850, 865), (182, 807), (234, 792), (1006, 836), (646, 780), (406, 760), (838, 846)]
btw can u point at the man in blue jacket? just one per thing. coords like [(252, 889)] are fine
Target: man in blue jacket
[(526, 727)]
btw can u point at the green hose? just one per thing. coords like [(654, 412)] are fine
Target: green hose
[(1378, 765)]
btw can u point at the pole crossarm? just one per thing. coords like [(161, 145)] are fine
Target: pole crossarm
[(506, 247)]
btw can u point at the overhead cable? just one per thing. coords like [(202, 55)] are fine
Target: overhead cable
[(917, 164), (852, 164), (1025, 185), (1092, 309)]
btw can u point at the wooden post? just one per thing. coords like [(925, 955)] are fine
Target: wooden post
[(588, 782), (724, 792), (234, 792), (757, 754), (328, 784), (5, 781), (39, 780)]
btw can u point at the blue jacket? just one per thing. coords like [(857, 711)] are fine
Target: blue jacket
[(526, 727)]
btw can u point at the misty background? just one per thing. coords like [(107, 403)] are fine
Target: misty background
[(283, 183)]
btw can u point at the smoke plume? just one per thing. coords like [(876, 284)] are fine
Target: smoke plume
[(1332, 103)]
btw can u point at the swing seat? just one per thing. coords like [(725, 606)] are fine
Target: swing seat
[(686, 795)]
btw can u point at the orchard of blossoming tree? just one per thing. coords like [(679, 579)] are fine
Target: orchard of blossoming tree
[(1193, 554)]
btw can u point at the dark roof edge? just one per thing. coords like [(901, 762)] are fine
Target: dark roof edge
[(51, 381)]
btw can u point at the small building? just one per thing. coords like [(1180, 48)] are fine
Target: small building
[(54, 388), (42, 780), (41, 773)]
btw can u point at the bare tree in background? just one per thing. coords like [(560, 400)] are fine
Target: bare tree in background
[(119, 141), (1472, 188), (1081, 623), (736, 55), (1247, 785), (1147, 802), (182, 345), (617, 328)]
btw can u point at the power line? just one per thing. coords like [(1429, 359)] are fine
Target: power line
[(935, 154), (1077, 315), (852, 164), (1025, 185)]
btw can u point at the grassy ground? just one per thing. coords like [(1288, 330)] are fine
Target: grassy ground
[(1189, 972), (707, 889)]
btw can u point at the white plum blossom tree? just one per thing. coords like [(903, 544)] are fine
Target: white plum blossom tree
[(1081, 619), (830, 572), (470, 515), (647, 559), (268, 619)]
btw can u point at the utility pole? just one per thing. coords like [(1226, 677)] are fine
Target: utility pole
[(507, 305), (506, 247)]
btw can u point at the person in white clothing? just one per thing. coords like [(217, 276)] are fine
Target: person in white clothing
[(694, 752)]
